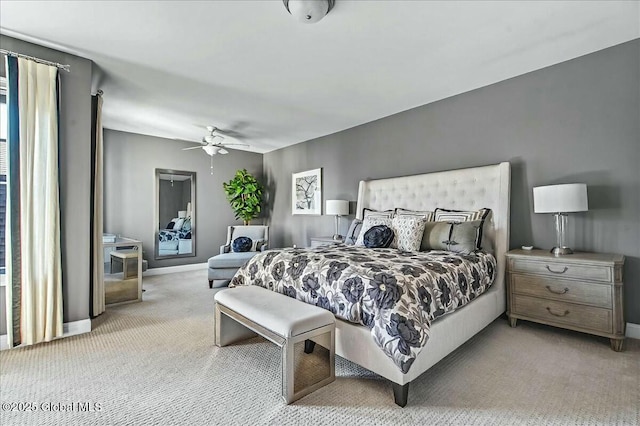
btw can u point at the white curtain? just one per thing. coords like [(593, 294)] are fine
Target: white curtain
[(36, 273), (98, 220)]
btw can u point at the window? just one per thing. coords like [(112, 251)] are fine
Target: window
[(3, 173)]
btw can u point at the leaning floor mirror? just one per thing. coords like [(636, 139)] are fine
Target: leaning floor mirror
[(175, 223)]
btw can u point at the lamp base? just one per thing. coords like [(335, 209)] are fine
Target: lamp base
[(560, 251)]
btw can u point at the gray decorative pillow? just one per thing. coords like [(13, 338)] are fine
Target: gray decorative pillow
[(444, 215), (457, 237), (367, 223), (354, 231), (408, 232)]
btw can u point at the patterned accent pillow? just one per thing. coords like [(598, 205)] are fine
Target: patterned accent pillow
[(428, 215), (444, 215), (367, 223), (456, 237), (377, 213), (241, 244), (257, 244), (408, 232)]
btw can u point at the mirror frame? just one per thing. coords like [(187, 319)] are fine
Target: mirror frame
[(156, 221)]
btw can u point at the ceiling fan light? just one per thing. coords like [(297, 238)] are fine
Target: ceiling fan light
[(308, 11), (211, 150), (222, 151)]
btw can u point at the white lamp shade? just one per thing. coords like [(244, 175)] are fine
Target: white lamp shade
[(567, 198), (182, 213), (337, 207)]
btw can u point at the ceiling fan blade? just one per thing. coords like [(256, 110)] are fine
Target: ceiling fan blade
[(193, 147), (233, 144), (212, 139)]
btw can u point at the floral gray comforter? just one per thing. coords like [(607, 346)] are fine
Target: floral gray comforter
[(395, 294)]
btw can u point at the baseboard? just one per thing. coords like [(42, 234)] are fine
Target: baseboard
[(68, 329), (633, 330), (173, 269)]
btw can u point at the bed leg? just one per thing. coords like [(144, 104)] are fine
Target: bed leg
[(309, 345), (210, 283), (401, 393)]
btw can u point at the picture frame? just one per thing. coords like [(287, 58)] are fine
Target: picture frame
[(306, 192)]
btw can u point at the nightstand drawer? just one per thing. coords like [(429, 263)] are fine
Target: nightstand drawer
[(560, 269), (585, 317), (563, 290)]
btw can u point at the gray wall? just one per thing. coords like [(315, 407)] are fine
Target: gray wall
[(75, 175), (130, 161), (577, 121)]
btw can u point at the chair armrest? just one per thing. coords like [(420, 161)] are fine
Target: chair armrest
[(225, 249)]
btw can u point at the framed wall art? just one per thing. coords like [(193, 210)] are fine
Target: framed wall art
[(306, 192)]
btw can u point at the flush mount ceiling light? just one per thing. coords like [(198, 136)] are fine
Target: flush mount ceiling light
[(308, 11)]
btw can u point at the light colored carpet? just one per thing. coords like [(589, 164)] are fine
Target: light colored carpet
[(155, 363)]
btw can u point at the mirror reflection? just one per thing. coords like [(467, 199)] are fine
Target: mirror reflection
[(175, 218)]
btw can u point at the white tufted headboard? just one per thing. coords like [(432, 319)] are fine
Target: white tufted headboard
[(463, 189)]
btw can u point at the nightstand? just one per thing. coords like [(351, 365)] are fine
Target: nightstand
[(580, 291), (324, 241)]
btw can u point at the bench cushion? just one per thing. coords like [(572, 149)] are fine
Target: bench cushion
[(231, 260), (281, 314)]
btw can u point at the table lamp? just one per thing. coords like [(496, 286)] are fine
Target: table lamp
[(337, 208), (560, 200)]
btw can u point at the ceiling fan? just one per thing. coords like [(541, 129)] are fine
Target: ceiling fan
[(213, 143)]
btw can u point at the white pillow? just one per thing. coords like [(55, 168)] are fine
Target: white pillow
[(367, 223), (177, 224), (408, 232)]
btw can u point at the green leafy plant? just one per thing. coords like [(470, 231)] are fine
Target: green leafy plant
[(244, 193)]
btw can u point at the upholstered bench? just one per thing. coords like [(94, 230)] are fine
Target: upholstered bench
[(241, 312)]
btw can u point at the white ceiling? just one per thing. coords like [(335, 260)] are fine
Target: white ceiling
[(169, 68)]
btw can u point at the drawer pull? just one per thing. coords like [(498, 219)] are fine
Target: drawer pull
[(565, 269), (557, 315), (566, 289)]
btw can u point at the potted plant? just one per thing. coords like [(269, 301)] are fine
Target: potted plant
[(244, 193)]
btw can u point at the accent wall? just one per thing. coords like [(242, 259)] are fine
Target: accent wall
[(577, 121)]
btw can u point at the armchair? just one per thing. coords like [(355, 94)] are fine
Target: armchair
[(223, 266)]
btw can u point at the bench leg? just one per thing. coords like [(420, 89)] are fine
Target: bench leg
[(401, 393), (292, 393), (309, 345), (228, 331), (210, 283)]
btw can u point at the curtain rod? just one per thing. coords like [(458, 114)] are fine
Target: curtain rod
[(66, 68)]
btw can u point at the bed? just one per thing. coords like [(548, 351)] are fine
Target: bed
[(172, 242), (396, 351)]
